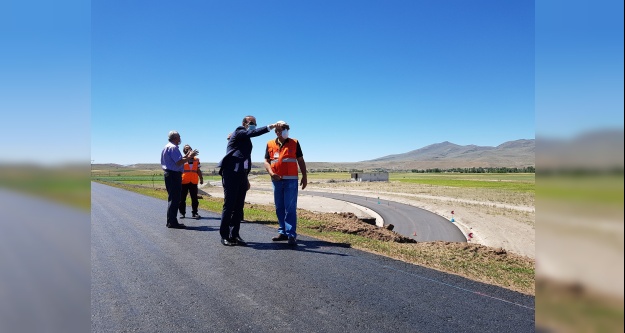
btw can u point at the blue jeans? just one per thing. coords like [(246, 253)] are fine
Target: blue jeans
[(285, 199)]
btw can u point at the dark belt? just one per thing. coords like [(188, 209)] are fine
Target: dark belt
[(167, 170)]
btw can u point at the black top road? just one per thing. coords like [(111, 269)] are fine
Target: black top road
[(148, 278), (409, 221)]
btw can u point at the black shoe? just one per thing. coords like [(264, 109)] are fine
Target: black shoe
[(238, 241), (226, 242), (292, 241), (197, 216), (181, 216), (176, 225), (280, 237)]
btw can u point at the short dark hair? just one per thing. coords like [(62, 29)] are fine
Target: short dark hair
[(245, 119)]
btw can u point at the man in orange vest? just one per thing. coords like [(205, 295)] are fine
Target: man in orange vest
[(190, 177), (282, 157)]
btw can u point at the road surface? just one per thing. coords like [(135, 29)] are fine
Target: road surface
[(146, 277), (409, 221)]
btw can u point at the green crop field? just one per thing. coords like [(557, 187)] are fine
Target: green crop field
[(518, 182)]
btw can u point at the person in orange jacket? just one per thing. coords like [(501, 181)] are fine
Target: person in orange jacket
[(191, 175), (282, 157)]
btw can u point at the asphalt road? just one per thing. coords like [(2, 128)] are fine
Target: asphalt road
[(409, 221), (148, 278)]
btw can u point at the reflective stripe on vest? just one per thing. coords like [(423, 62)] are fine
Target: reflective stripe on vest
[(285, 160), (285, 164), (189, 174)]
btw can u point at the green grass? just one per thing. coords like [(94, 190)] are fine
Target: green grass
[(606, 189), (68, 185), (520, 182), (139, 177), (516, 182)]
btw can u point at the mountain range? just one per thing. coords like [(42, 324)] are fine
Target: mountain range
[(444, 155), (518, 153), (601, 149)]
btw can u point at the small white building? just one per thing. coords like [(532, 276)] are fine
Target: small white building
[(370, 176)]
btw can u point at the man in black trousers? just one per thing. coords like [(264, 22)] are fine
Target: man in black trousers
[(234, 169), (172, 163)]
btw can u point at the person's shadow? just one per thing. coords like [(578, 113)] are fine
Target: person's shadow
[(202, 227), (313, 246)]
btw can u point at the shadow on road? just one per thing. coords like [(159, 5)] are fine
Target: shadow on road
[(312, 246), (201, 218), (201, 228)]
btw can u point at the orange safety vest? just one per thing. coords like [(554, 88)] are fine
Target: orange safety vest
[(189, 174), (283, 159)]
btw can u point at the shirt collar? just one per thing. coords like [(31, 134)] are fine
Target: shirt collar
[(282, 144)]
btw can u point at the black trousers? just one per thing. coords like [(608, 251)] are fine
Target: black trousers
[(173, 184), (235, 189), (191, 189)]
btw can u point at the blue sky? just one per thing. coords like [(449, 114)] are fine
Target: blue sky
[(106, 80), (579, 67), (45, 63), (356, 80)]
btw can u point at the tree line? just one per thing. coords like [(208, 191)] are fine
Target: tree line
[(529, 169)]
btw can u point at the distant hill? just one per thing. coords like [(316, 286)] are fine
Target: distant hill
[(518, 153), (599, 149), (444, 155)]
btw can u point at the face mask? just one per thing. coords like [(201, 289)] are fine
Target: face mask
[(285, 134), (251, 127)]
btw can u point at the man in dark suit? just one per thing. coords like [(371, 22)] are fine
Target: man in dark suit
[(234, 169)]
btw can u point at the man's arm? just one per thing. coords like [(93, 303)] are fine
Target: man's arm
[(267, 163), (186, 157), (302, 168), (199, 173), (260, 130)]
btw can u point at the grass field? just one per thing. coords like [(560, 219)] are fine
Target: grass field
[(517, 182), (133, 176), (67, 185)]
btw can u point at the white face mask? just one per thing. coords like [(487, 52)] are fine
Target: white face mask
[(285, 133)]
